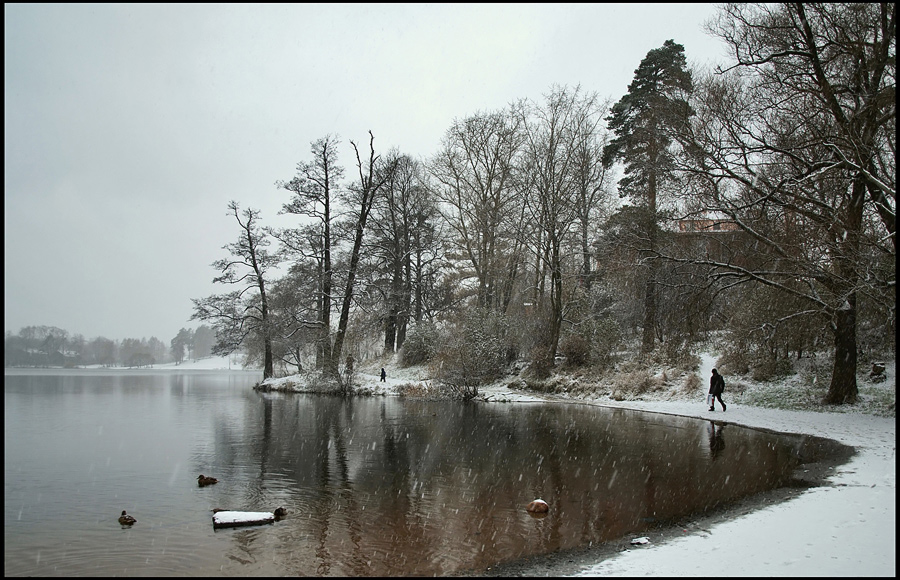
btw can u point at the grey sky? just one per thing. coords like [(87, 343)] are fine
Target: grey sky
[(128, 128)]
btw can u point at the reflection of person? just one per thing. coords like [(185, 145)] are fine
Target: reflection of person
[(383, 374), (716, 388), (716, 441)]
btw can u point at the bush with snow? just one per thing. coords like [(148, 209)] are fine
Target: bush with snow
[(476, 350), (420, 345)]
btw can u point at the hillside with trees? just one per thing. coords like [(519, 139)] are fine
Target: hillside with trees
[(582, 233), (755, 201)]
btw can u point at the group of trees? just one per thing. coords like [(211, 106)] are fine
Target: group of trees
[(795, 142), (41, 346), (757, 198)]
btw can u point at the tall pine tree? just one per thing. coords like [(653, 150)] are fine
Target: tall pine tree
[(643, 121)]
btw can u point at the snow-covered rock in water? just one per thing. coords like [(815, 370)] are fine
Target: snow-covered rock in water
[(538, 506)]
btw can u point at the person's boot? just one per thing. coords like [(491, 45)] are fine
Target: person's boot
[(723, 407), (712, 408)]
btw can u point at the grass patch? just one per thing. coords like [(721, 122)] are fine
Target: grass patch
[(633, 384), (419, 391)]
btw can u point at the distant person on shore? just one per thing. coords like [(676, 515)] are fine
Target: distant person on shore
[(383, 374), (716, 388)]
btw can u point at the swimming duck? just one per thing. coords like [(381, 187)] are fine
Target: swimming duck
[(538, 506), (280, 512), (125, 519), (203, 480)]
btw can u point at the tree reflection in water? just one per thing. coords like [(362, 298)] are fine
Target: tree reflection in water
[(385, 486)]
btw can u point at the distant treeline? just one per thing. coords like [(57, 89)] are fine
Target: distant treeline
[(49, 346)]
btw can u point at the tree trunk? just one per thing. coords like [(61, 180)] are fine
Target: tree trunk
[(325, 298), (585, 256), (394, 301), (390, 330), (405, 302), (333, 361), (556, 301), (843, 387), (648, 344), (268, 362), (268, 365), (420, 280)]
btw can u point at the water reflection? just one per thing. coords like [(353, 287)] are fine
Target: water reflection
[(716, 439), (391, 487), (373, 486)]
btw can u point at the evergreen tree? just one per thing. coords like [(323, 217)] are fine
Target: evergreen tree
[(643, 121)]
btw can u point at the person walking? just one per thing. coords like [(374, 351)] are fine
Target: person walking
[(716, 388), (383, 374)]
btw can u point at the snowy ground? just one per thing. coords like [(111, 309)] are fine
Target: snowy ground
[(213, 363), (844, 528)]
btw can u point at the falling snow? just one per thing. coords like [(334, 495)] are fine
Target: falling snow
[(845, 528)]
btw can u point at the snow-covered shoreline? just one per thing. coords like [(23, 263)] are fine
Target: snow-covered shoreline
[(847, 528)]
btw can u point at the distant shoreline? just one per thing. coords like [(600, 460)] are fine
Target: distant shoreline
[(105, 370)]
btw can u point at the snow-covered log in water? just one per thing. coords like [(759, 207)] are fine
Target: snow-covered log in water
[(230, 519)]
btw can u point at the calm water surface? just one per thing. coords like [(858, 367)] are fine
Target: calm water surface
[(373, 486)]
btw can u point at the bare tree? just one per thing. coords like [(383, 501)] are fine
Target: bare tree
[(473, 178), (592, 180), (360, 199), (294, 308), (314, 190), (403, 230), (243, 313), (795, 142), (558, 134)]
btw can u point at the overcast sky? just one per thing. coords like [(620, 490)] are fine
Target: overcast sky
[(129, 128)]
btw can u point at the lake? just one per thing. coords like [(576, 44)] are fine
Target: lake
[(374, 486)]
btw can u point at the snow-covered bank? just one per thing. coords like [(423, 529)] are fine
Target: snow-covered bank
[(212, 363)]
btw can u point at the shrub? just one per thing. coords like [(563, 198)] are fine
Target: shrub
[(771, 368), (677, 351), (734, 362), (474, 351), (576, 349), (540, 362), (692, 383), (605, 340), (420, 345), (416, 390), (633, 384)]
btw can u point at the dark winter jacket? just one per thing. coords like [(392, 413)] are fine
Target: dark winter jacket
[(716, 384)]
